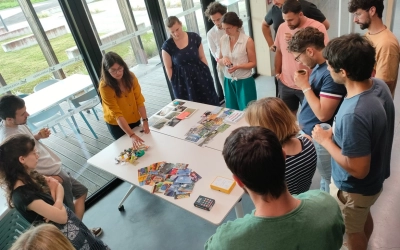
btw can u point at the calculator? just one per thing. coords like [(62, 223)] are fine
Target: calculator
[(204, 203)]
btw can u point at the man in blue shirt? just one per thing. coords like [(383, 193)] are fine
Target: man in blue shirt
[(322, 96), (362, 135)]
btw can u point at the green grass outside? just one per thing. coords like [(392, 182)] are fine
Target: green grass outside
[(6, 4), (16, 65)]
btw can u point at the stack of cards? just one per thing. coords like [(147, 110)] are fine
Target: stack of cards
[(175, 180), (171, 115), (210, 124)]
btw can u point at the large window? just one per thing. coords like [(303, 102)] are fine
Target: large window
[(40, 51)]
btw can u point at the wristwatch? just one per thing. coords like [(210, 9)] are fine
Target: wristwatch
[(145, 119)]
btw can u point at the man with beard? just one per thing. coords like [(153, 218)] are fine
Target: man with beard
[(368, 14), (285, 63), (322, 95), (310, 220), (214, 12), (274, 16), (14, 115)]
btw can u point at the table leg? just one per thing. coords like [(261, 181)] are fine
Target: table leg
[(239, 209), (120, 206)]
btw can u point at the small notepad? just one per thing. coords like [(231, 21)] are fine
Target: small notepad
[(223, 184)]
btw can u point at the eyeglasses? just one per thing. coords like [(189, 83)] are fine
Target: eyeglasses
[(297, 57), (115, 71)]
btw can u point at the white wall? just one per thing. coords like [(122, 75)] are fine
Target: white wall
[(258, 10)]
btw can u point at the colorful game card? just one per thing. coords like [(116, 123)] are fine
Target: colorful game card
[(183, 179), (157, 187), (186, 188), (171, 190), (183, 115), (164, 111), (174, 121), (160, 123), (181, 165), (194, 176), (182, 196), (223, 127), (180, 108), (166, 168), (171, 115), (183, 172)]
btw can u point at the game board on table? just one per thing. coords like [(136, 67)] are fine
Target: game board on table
[(171, 179)]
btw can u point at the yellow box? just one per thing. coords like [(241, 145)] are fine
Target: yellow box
[(223, 184)]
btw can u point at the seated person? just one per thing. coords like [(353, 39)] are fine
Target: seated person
[(301, 157), (36, 197), (311, 220), (43, 237), (14, 115)]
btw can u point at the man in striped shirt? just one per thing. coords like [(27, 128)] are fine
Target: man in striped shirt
[(322, 96)]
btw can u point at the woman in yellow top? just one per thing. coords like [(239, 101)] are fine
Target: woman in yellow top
[(123, 102)]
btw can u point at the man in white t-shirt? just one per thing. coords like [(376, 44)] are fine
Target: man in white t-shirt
[(214, 12), (14, 117)]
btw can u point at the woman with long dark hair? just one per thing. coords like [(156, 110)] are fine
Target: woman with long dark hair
[(123, 102), (38, 198)]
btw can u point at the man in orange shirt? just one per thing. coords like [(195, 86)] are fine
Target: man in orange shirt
[(368, 14)]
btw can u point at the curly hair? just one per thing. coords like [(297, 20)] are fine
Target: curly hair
[(214, 8), (12, 170), (354, 5), (109, 59), (306, 37)]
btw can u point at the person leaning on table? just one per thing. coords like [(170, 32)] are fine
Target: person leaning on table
[(123, 102)]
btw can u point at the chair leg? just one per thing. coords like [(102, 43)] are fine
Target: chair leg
[(95, 114), (62, 130), (76, 125), (90, 127), (70, 125)]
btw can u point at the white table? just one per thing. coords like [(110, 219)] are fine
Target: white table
[(207, 162), (56, 93), (183, 127)]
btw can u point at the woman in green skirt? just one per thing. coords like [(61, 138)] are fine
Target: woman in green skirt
[(239, 57)]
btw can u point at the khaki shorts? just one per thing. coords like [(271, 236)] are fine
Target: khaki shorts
[(354, 207)]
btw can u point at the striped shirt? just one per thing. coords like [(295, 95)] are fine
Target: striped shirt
[(300, 168)]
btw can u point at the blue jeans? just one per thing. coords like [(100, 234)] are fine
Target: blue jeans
[(324, 166)]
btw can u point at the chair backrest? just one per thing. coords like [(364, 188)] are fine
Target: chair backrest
[(44, 84), (85, 97), (22, 95), (45, 115), (12, 225)]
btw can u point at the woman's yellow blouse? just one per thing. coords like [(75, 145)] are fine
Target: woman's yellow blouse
[(126, 105)]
